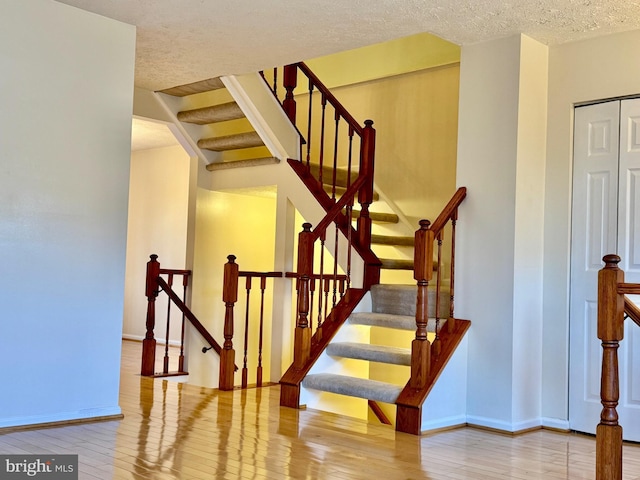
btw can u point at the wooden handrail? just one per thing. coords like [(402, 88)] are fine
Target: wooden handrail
[(190, 316), (330, 97), (449, 210), (632, 310)]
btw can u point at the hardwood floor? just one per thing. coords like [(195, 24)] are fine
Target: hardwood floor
[(177, 431)]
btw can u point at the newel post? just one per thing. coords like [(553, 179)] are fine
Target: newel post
[(229, 297), (365, 195), (151, 292), (302, 338), (610, 332), (290, 82), (423, 271)]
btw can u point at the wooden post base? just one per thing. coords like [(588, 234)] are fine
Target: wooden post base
[(289, 395), (148, 357), (409, 419), (608, 452), (227, 367), (420, 363), (302, 347)]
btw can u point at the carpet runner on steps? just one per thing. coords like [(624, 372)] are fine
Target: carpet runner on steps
[(393, 306)]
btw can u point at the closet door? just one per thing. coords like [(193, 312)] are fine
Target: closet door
[(629, 251), (605, 219), (594, 229)]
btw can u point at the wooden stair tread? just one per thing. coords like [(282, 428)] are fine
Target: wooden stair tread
[(211, 114), (231, 142), (250, 162), (353, 387), (195, 87), (393, 240), (370, 352)]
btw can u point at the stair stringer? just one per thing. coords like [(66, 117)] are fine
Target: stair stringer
[(265, 114)]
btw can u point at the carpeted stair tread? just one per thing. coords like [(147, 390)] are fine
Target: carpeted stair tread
[(231, 142), (353, 387), (342, 175), (379, 217), (195, 87), (401, 300), (340, 190), (396, 264), (212, 114), (372, 353), (386, 320), (393, 240), (250, 162)]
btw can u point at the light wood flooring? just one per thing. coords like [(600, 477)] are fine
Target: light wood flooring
[(177, 431)]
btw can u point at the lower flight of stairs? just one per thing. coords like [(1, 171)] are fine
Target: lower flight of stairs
[(393, 307)]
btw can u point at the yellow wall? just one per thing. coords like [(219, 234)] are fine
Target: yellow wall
[(242, 225)]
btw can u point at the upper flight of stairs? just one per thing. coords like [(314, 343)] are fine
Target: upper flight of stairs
[(221, 133)]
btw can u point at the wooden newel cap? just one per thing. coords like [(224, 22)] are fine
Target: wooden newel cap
[(153, 257), (424, 224), (306, 227), (368, 123), (231, 258), (611, 260)]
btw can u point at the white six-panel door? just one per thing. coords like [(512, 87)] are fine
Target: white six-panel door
[(605, 219)]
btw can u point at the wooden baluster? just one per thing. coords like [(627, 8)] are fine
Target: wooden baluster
[(312, 292), (275, 82), (290, 82), (229, 297), (365, 195), (302, 338), (323, 104), (451, 319), (321, 310), (334, 299), (185, 284), (263, 286), (309, 121), (341, 287), (245, 371), (326, 289), (436, 347), (335, 157), (149, 342), (610, 332), (423, 270), (165, 366), (349, 208)]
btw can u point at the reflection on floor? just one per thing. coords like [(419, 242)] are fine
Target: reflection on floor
[(177, 431)]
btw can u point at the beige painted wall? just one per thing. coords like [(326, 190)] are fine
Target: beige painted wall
[(158, 207)]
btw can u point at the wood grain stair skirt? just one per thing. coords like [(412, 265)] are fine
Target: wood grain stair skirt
[(393, 307), (244, 146)]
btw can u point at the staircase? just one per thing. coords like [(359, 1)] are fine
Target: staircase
[(223, 137)]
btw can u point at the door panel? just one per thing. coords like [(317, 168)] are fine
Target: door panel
[(594, 234)]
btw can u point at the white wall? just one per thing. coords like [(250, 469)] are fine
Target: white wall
[(499, 261), (158, 208), (65, 126), (579, 72)]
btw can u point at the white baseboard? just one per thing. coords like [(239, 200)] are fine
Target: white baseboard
[(510, 427), (138, 338), (62, 417), (556, 423), (453, 421)]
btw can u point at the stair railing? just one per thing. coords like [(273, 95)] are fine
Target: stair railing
[(613, 308), (423, 353), (155, 284), (232, 275), (337, 166), (335, 148)]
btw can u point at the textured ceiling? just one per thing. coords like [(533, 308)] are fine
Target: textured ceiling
[(182, 41)]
